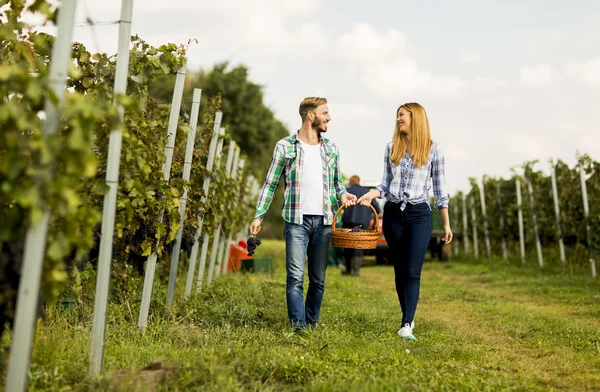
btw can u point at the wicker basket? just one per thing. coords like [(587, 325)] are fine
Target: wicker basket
[(366, 239)]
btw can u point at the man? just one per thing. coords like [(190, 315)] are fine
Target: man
[(309, 164), (353, 217)]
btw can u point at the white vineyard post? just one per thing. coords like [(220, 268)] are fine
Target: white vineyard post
[(166, 169), (234, 171), (455, 219), (217, 233), (35, 240), (213, 257), (243, 198), (220, 254), (502, 228), (202, 266), (486, 235), (474, 224), (222, 245), (187, 168), (110, 198), (520, 218), (586, 213), (212, 151), (538, 245), (465, 224), (561, 246)]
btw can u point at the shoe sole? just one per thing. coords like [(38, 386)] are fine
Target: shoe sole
[(409, 337)]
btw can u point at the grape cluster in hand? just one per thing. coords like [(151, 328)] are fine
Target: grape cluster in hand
[(253, 243), (356, 229)]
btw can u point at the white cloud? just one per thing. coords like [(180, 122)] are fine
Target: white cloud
[(353, 110), (455, 153), (383, 62), (569, 127), (469, 58), (538, 42), (366, 45), (586, 72), (229, 27), (404, 77), (538, 75), (235, 8), (489, 83), (300, 8)]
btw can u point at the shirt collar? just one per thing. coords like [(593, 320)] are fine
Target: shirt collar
[(324, 143)]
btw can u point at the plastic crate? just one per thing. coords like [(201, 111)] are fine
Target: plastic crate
[(68, 303), (258, 265)]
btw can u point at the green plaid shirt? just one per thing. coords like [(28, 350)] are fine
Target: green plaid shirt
[(288, 160)]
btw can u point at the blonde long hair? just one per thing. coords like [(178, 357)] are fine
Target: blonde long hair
[(419, 133)]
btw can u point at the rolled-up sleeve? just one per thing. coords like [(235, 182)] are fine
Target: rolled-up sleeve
[(384, 187), (271, 182), (438, 178)]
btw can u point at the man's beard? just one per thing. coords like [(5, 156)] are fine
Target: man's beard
[(316, 126)]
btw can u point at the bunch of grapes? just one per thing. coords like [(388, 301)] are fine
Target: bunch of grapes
[(356, 229), (187, 240), (252, 242), (145, 231)]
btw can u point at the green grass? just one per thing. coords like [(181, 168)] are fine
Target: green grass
[(485, 326)]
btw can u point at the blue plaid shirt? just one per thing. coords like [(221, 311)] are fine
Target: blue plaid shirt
[(404, 183)]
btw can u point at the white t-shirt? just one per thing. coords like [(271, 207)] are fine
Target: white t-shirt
[(311, 184)]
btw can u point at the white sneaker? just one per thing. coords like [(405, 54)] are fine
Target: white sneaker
[(412, 325), (406, 332)]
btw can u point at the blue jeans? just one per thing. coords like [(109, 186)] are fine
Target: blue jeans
[(311, 239), (407, 234)]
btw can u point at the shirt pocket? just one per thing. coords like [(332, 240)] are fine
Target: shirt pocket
[(330, 157), (422, 175), (290, 154)]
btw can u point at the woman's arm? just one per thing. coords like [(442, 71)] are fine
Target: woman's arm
[(384, 188), (446, 221), (441, 196), (438, 178)]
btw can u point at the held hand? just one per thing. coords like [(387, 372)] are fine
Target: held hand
[(348, 199), (255, 226), (447, 235), (366, 199)]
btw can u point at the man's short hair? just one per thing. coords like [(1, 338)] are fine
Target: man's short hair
[(310, 104), (354, 180)]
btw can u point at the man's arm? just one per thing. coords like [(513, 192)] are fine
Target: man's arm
[(271, 183)]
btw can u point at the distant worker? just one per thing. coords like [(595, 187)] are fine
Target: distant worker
[(357, 216)]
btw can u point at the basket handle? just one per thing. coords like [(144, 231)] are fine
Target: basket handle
[(343, 207)]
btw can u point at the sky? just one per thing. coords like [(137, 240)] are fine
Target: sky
[(503, 82)]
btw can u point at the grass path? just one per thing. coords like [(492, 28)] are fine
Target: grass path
[(479, 327), (550, 342)]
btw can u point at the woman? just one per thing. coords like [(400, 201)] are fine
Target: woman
[(412, 163)]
